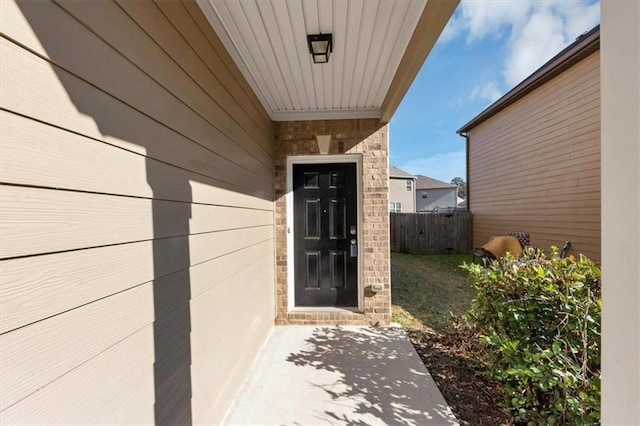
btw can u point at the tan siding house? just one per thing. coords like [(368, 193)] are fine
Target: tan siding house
[(534, 155), (147, 171), (140, 166), (402, 191)]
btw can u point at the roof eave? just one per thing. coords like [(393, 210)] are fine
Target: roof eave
[(575, 52), (435, 16), (401, 177)]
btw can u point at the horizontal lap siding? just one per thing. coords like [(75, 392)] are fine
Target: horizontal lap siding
[(535, 166), (137, 215)]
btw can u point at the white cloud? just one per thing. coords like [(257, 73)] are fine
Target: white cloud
[(443, 167), (452, 30), (535, 30), (582, 18), (488, 91), (491, 18), (533, 44)]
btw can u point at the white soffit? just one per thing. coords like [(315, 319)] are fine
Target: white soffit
[(268, 41)]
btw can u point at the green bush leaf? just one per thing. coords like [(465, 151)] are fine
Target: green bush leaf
[(535, 312)]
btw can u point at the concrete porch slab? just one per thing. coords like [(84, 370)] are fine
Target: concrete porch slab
[(312, 375)]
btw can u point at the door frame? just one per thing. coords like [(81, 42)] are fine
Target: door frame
[(320, 159)]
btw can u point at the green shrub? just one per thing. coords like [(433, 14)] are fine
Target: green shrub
[(540, 322)]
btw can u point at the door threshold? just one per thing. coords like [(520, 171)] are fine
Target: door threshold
[(328, 309)]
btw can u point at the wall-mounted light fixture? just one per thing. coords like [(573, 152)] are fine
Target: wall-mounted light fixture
[(320, 47), (324, 142)]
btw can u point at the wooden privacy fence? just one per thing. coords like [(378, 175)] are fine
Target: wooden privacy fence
[(431, 233)]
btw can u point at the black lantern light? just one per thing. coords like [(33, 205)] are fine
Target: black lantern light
[(320, 47)]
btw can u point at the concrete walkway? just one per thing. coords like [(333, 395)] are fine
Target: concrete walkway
[(309, 375)]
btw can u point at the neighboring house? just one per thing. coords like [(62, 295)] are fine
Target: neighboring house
[(164, 200), (433, 194), (402, 191), (534, 155)]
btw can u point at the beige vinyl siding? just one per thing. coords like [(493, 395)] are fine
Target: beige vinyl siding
[(398, 192), (535, 166), (137, 255)]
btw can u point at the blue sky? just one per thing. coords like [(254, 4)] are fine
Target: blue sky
[(487, 48)]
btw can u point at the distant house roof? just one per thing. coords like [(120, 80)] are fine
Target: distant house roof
[(424, 182), (395, 172), (584, 46)]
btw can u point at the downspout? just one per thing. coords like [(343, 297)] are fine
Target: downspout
[(466, 148)]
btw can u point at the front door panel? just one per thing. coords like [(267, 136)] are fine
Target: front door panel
[(325, 232)]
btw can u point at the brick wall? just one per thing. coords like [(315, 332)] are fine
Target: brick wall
[(368, 138)]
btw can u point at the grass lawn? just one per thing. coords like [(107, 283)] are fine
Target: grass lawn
[(426, 289)]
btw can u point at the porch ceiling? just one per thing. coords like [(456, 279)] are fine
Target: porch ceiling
[(378, 48)]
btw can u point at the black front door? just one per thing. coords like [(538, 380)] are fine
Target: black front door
[(325, 234)]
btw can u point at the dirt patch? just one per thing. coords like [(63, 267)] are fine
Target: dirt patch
[(430, 294), (449, 358)]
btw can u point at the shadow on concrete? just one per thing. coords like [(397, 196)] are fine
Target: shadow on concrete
[(380, 374)]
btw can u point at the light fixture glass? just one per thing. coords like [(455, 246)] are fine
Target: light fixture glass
[(320, 47)]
